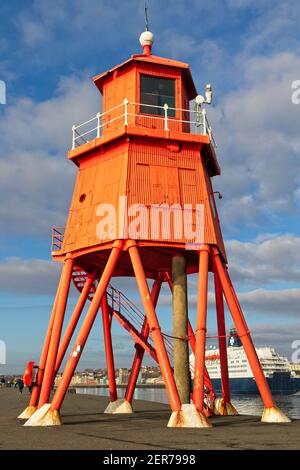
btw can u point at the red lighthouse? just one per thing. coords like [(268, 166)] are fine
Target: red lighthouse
[(143, 199)]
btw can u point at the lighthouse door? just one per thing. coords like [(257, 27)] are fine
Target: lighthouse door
[(164, 185)]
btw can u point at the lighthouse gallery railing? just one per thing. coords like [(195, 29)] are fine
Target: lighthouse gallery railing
[(93, 128)]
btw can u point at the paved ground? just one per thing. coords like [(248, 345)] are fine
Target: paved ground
[(86, 427)]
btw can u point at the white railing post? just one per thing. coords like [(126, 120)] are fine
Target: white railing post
[(73, 137), (204, 121), (98, 116), (126, 102), (166, 107)]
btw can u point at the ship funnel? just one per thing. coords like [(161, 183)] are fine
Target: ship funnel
[(234, 339)]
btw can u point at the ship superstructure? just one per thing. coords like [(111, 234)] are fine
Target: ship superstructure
[(276, 369)]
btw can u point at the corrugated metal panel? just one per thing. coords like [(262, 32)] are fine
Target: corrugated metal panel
[(142, 188), (188, 186), (101, 179), (118, 87), (154, 174), (174, 178)]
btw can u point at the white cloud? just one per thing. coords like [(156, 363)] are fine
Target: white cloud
[(283, 302), (37, 277), (29, 277), (36, 178), (259, 143), (267, 260)]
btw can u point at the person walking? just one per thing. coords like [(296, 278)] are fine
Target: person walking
[(20, 384)]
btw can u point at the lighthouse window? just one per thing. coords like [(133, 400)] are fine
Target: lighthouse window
[(157, 91)]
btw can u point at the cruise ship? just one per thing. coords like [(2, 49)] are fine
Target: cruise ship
[(276, 368)]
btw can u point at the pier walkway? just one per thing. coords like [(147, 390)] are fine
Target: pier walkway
[(86, 427)]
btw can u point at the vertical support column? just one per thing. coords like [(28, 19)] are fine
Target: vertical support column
[(271, 413), (109, 351), (139, 355), (222, 339), (35, 394), (56, 333), (211, 394), (192, 342), (198, 395), (222, 406), (180, 328), (154, 327), (189, 416), (73, 322)]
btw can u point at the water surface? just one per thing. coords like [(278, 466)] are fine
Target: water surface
[(249, 405)]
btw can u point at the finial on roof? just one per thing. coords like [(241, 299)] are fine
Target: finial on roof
[(146, 38)]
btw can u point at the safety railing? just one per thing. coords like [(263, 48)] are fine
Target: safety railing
[(126, 114), (122, 304), (57, 238)]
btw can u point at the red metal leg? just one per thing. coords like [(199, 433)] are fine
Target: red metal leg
[(34, 399), (242, 329), (138, 358), (73, 322), (57, 327), (154, 326), (136, 335), (86, 326), (211, 394), (222, 339), (198, 395), (109, 351), (192, 341)]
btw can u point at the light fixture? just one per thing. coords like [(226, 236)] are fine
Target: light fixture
[(219, 194)]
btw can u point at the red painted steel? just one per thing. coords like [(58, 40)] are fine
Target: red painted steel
[(56, 332), (138, 358), (73, 322), (28, 374), (242, 330), (201, 328), (35, 394), (109, 351), (86, 326), (137, 337), (222, 339), (210, 391), (162, 355)]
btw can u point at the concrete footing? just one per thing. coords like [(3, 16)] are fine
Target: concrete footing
[(274, 415), (44, 417), (188, 417), (27, 413), (224, 409), (119, 406)]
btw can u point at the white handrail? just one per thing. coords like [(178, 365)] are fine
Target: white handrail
[(199, 122)]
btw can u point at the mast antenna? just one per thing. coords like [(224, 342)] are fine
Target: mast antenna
[(146, 17)]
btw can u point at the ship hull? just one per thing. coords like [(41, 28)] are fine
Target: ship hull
[(281, 384)]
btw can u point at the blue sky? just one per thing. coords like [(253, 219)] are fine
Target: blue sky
[(248, 50)]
